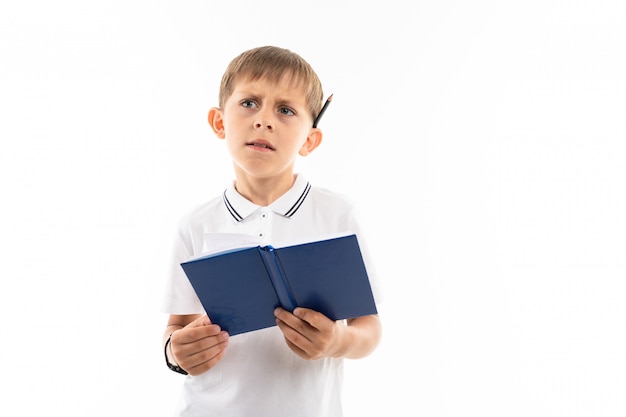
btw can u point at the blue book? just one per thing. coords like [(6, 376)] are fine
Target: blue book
[(239, 289)]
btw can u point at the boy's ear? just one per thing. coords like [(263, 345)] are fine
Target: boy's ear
[(312, 141), (216, 121)]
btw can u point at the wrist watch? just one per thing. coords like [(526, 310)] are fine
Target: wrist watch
[(175, 368)]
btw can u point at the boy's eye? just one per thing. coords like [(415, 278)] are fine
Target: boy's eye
[(248, 104), (286, 111)]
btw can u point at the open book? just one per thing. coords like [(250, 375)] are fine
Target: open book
[(240, 288)]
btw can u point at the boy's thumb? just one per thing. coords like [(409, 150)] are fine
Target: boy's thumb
[(203, 320)]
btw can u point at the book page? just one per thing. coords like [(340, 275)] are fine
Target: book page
[(219, 243)]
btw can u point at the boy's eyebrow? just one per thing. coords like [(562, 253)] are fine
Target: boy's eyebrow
[(248, 95), (287, 102)]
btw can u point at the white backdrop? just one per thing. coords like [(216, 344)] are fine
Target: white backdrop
[(484, 141)]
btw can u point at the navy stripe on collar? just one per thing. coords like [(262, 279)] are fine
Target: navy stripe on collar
[(231, 209), (238, 217), (298, 203)]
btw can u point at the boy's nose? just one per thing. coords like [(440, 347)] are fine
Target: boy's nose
[(263, 124)]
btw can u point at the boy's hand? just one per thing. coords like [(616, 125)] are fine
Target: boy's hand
[(310, 334), (199, 346)]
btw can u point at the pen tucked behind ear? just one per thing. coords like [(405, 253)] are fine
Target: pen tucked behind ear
[(321, 113)]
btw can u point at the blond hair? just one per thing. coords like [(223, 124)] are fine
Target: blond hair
[(272, 63)]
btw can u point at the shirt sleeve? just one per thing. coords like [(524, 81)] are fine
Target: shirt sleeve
[(354, 225), (179, 296)]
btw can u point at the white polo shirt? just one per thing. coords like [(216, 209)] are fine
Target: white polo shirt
[(259, 375)]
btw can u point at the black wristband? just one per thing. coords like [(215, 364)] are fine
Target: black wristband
[(173, 367)]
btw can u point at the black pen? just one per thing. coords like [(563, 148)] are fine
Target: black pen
[(319, 116)]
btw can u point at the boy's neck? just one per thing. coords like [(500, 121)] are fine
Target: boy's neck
[(264, 191)]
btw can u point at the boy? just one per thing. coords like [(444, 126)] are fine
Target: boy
[(269, 98)]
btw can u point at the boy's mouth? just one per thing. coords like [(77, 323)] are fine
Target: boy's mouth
[(260, 144)]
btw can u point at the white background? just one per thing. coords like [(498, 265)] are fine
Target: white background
[(485, 142)]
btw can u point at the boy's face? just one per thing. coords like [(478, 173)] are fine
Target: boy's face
[(266, 125)]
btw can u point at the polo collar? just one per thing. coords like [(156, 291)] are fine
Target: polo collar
[(287, 205)]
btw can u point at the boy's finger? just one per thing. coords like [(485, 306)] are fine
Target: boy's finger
[(308, 315)]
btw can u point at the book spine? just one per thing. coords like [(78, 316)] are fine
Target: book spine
[(278, 278)]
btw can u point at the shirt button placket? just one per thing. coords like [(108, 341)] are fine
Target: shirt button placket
[(264, 225)]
